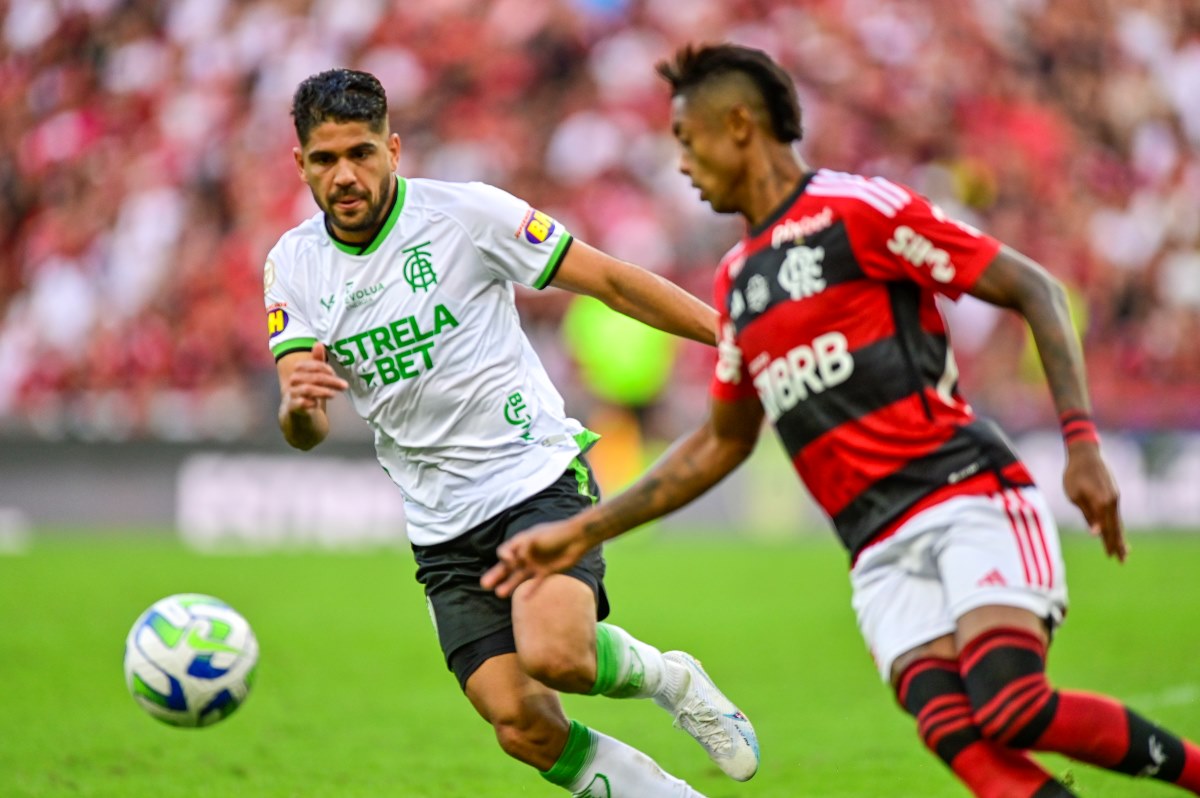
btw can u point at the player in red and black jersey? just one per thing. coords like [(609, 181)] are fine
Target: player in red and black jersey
[(831, 331), (829, 318)]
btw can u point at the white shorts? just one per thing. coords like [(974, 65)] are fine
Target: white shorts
[(965, 553)]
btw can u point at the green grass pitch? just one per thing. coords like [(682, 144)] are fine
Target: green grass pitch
[(352, 699)]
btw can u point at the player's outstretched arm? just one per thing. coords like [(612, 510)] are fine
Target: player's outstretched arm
[(692, 466), (306, 382), (636, 292), (1014, 281)]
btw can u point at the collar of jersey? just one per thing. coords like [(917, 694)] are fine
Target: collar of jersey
[(373, 244), (783, 207)]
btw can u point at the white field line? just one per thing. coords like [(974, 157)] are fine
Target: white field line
[(1178, 695)]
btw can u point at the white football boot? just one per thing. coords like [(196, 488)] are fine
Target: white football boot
[(704, 712)]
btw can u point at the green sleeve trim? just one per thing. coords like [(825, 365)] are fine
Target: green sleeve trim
[(293, 345), (576, 757), (564, 243)]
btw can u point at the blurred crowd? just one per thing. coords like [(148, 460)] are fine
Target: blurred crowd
[(146, 169)]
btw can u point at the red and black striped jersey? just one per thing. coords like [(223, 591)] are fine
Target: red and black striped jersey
[(829, 316)]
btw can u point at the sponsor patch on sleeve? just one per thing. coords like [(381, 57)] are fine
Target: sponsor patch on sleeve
[(536, 227), (277, 320)]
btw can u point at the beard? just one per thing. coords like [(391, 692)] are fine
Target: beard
[(373, 214)]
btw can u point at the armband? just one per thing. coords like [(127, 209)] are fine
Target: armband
[(1077, 425)]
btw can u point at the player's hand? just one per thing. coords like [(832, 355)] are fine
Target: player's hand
[(1090, 485), (312, 382), (535, 554)]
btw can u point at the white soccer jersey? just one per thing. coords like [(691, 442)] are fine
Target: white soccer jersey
[(422, 323)]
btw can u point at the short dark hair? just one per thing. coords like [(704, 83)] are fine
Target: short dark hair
[(694, 66), (338, 95)]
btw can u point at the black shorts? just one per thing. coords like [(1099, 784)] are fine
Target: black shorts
[(474, 624)]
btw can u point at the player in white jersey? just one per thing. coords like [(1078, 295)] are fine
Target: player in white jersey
[(400, 294)]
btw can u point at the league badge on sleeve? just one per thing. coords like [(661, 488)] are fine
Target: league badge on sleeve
[(268, 275), (277, 320), (537, 227)]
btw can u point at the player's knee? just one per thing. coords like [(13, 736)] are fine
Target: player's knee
[(530, 737), (559, 666), (1005, 674)]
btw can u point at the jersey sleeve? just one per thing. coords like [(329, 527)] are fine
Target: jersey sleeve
[(899, 235), (287, 329), (518, 243), (731, 379)]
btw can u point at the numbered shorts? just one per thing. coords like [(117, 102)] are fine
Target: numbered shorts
[(965, 553), (473, 625)]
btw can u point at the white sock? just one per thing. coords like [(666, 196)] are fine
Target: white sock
[(674, 684), (628, 668), (594, 765)]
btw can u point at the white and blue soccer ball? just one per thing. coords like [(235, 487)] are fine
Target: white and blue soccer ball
[(190, 660)]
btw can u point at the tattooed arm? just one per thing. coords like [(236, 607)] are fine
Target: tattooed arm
[(692, 466), (1016, 282)]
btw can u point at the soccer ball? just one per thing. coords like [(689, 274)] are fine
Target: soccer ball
[(190, 660)]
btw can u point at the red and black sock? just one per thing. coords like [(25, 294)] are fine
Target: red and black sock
[(1013, 704), (932, 691)]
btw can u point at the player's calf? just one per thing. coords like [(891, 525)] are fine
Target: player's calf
[(932, 691), (1014, 705), (620, 667), (533, 737), (557, 663)]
